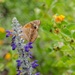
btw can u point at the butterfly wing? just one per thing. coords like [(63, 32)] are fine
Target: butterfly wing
[(26, 31), (30, 30)]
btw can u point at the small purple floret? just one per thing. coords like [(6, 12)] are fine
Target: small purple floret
[(31, 56), (13, 46), (37, 73), (26, 48), (18, 72), (8, 33), (18, 63), (17, 60), (30, 45), (34, 64)]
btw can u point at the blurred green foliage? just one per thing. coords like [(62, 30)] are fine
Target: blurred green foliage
[(55, 46)]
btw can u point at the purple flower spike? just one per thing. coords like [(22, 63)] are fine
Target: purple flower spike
[(37, 73), (34, 64), (24, 64)]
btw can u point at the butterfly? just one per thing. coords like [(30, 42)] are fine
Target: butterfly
[(30, 30)]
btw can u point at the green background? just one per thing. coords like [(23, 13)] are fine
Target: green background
[(52, 59)]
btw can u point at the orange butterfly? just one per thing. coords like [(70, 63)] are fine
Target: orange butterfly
[(30, 31)]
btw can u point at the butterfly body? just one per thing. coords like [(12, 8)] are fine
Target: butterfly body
[(30, 30)]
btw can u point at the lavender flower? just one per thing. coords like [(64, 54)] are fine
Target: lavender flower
[(23, 50)]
